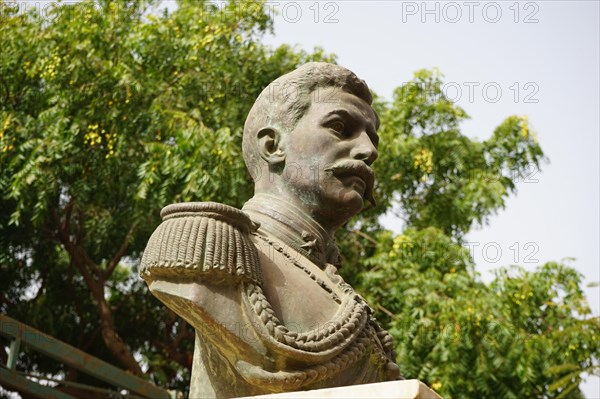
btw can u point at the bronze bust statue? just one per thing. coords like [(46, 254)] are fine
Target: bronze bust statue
[(260, 285)]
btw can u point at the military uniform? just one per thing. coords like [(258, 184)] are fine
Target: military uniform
[(261, 288)]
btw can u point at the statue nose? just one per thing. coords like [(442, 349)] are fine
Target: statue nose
[(364, 149)]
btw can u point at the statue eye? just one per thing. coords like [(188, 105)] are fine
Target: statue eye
[(337, 126)]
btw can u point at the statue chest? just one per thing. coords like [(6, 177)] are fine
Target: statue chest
[(301, 294)]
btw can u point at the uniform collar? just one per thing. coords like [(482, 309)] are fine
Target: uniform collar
[(279, 218)]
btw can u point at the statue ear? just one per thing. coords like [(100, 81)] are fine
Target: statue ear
[(269, 145)]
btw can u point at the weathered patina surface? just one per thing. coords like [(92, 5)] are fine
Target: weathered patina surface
[(260, 285)]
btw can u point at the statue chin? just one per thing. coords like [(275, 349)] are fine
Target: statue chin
[(347, 204), (354, 201)]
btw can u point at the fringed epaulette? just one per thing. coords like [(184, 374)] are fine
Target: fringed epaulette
[(200, 240)]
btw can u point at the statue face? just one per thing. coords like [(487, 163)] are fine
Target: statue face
[(327, 157)]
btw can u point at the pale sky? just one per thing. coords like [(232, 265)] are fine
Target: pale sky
[(539, 59)]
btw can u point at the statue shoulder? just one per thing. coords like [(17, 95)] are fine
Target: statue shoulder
[(202, 240)]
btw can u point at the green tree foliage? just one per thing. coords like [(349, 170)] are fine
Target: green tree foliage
[(439, 176), (110, 110), (528, 333), (521, 336)]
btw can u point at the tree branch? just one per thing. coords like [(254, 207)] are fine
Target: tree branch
[(81, 259), (114, 343), (120, 253), (364, 235), (79, 234), (386, 311), (66, 226)]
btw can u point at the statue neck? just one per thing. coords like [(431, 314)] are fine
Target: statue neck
[(294, 227)]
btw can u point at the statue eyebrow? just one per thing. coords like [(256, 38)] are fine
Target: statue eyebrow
[(355, 117)]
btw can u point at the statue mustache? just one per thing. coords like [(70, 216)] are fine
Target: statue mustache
[(360, 169)]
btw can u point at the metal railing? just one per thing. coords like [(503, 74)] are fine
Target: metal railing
[(20, 333)]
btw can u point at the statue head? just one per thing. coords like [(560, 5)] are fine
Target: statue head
[(310, 138)]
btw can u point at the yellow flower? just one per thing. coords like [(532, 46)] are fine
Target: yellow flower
[(400, 243), (423, 161), (6, 123), (436, 385), (524, 130)]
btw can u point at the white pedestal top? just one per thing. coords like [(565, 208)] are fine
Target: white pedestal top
[(407, 389)]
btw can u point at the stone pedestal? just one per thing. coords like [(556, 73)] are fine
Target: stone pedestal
[(407, 389)]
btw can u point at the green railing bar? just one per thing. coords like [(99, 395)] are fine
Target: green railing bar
[(78, 359), (12, 380), (15, 345)]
